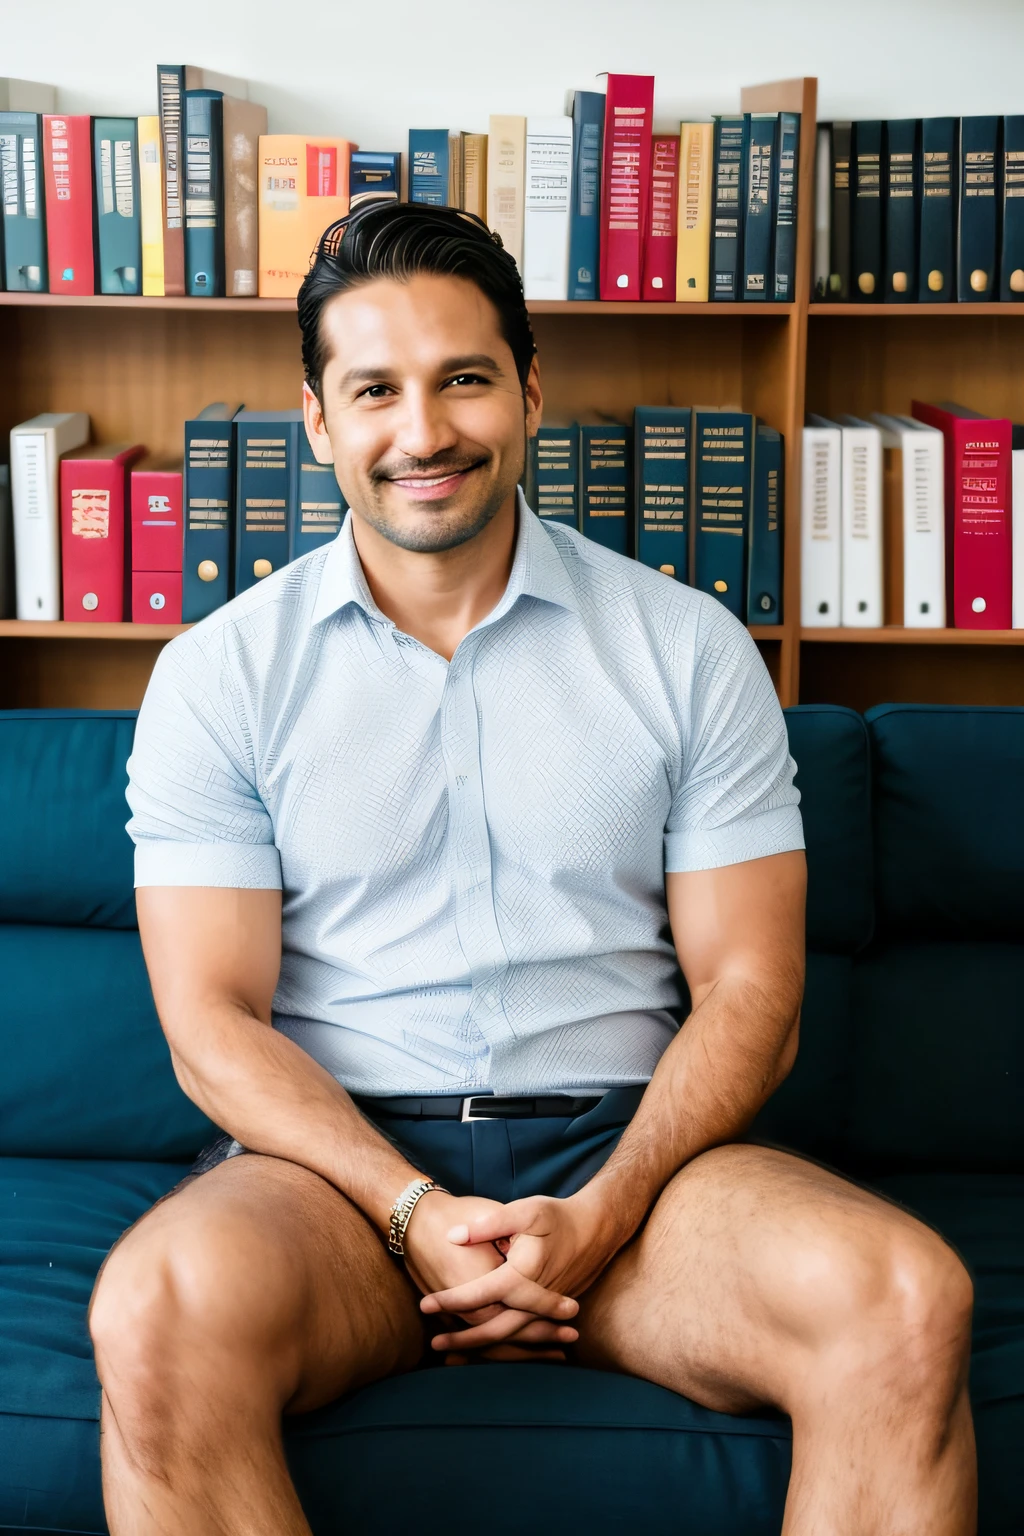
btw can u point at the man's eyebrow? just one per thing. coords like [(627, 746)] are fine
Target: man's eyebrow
[(450, 365)]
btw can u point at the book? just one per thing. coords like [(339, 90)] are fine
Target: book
[(606, 485), (787, 172), (321, 505), (913, 523), (625, 183), (764, 538), (157, 525), (26, 96), (209, 495), (433, 167), (866, 210), (374, 177), (759, 205), (820, 539), (36, 449), (67, 168), (303, 189), (976, 487), (173, 80), (556, 474), (979, 209), (151, 203), (1017, 539), (1011, 188), (21, 189), (474, 174), (95, 529), (693, 241), (937, 240), (6, 546), (157, 541), (822, 212), (546, 207), (118, 226), (204, 194), (861, 523), (587, 111), (839, 289), (902, 209), (722, 485), (661, 436), (244, 123), (506, 182), (658, 270), (266, 492), (728, 199)]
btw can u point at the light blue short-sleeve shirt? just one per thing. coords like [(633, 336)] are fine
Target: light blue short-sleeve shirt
[(471, 854)]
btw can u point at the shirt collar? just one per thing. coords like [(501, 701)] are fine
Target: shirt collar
[(538, 570)]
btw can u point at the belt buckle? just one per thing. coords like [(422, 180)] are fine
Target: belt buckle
[(467, 1108)]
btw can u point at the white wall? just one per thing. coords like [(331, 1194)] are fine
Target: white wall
[(370, 69)]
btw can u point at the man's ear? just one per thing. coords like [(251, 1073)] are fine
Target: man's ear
[(316, 431), (534, 399)]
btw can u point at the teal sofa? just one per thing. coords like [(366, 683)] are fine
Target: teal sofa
[(909, 1078)]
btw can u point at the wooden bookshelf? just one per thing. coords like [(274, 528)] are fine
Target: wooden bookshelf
[(141, 367)]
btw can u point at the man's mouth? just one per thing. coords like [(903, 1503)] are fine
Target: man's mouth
[(433, 487)]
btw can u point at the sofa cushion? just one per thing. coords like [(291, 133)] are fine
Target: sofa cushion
[(86, 1069), (938, 1074), (949, 833), (830, 748), (65, 856)]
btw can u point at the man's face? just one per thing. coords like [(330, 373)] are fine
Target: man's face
[(423, 414)]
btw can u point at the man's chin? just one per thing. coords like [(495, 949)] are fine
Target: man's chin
[(432, 530)]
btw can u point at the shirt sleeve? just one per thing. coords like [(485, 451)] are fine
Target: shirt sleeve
[(197, 817), (735, 799)]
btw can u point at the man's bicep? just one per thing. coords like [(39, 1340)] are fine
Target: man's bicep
[(206, 946), (744, 920)]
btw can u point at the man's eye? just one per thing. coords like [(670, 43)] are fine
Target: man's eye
[(375, 392), (466, 378)]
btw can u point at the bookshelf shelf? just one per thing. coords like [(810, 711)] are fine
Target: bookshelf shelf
[(1008, 311), (649, 310), (67, 629), (891, 634)]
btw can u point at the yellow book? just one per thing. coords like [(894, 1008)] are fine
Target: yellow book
[(694, 249), (506, 182), (474, 174), (151, 206), (303, 188)]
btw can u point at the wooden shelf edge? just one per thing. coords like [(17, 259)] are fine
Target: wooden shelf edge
[(67, 629), (1011, 309), (650, 308), (891, 634), (765, 631)]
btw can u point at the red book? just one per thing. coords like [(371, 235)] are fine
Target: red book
[(979, 567), (625, 183), (95, 539), (67, 172), (157, 529), (156, 597), (659, 271)]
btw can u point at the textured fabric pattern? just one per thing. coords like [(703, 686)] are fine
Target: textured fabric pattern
[(473, 853)]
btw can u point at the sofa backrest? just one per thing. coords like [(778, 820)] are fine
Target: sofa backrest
[(85, 1068)]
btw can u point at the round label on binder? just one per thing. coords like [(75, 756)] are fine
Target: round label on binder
[(721, 586), (979, 280), (866, 282), (261, 568), (207, 570), (978, 605), (1017, 281), (899, 282), (157, 600), (90, 602), (935, 281)]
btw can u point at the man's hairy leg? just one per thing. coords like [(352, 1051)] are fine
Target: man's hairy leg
[(256, 1290), (763, 1279)]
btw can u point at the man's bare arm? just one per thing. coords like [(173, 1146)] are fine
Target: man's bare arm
[(739, 935)]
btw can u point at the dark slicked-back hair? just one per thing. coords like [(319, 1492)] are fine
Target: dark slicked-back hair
[(400, 241)]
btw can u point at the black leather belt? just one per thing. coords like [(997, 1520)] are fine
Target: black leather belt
[(480, 1107)]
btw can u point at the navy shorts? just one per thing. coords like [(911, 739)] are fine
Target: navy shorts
[(499, 1159)]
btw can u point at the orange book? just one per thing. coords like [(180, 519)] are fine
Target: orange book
[(303, 187)]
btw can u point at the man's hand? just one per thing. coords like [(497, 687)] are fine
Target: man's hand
[(554, 1250), (525, 1313)]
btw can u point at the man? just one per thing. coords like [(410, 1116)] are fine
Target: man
[(424, 823)]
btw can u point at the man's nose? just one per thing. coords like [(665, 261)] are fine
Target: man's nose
[(425, 428)]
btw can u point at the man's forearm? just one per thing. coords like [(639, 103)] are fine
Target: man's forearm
[(726, 1061), (274, 1098)]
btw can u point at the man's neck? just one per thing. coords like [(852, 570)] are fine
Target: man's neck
[(439, 598)]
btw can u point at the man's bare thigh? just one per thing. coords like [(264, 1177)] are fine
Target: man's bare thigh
[(750, 1258), (264, 1255)]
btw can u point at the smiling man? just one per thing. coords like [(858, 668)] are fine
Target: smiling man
[(426, 825)]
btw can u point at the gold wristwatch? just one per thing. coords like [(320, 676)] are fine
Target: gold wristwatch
[(403, 1209)]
